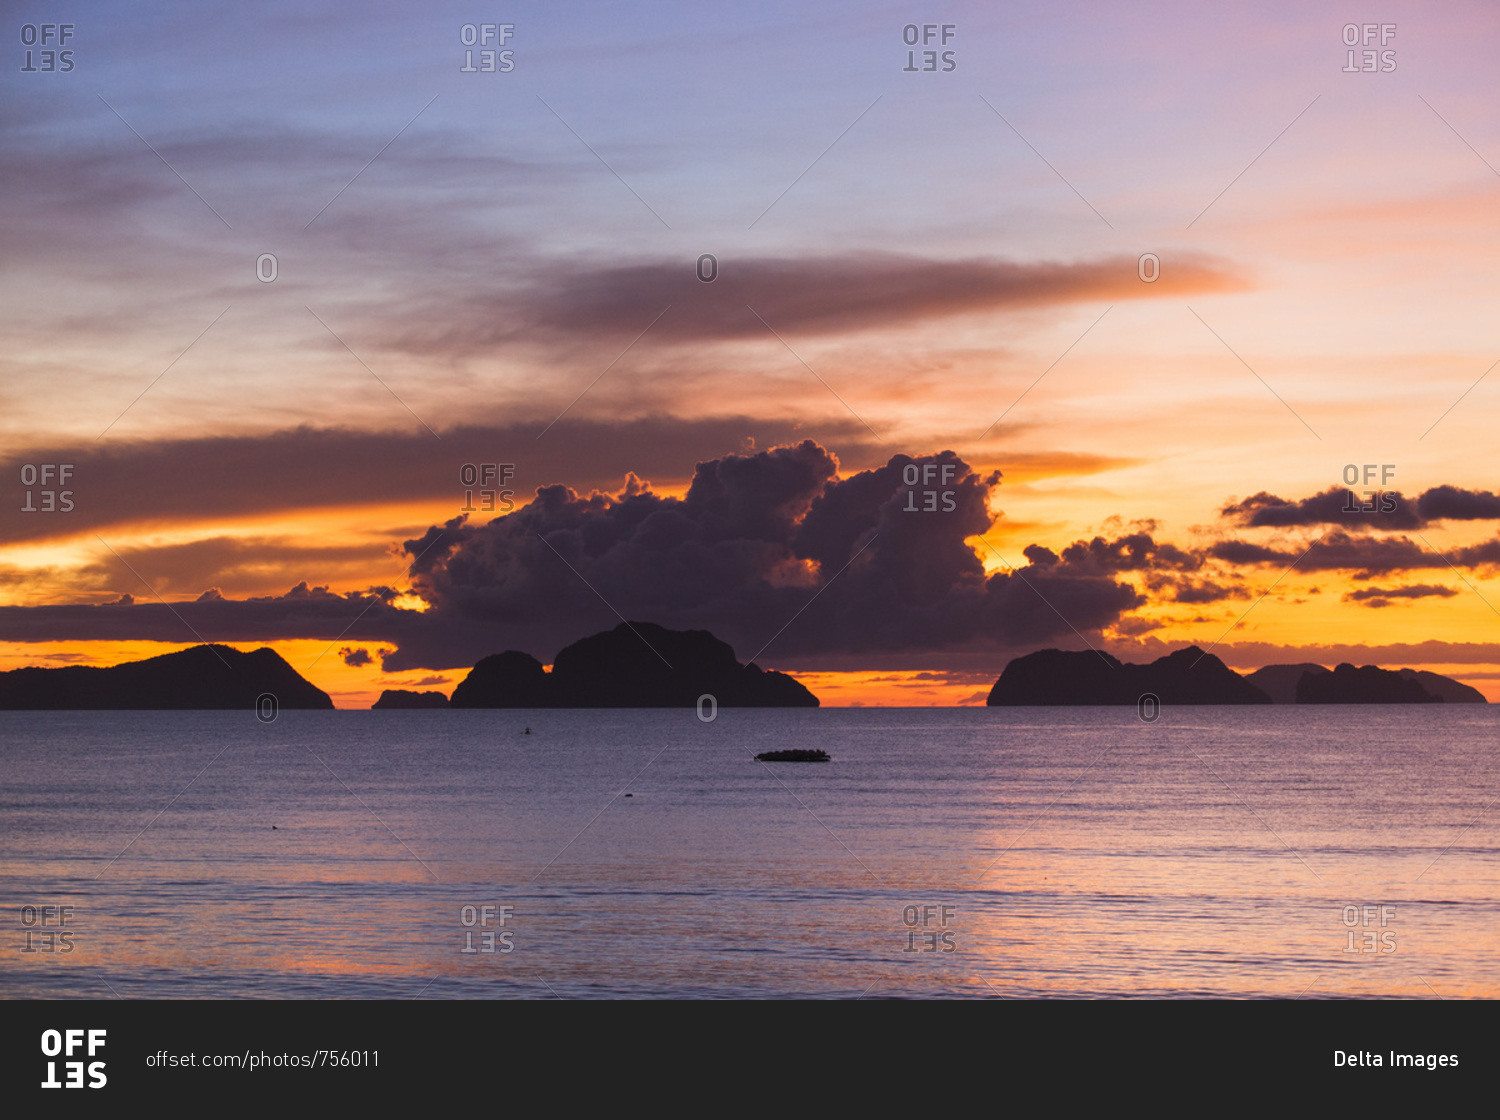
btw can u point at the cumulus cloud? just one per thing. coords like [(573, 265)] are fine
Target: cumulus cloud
[(1132, 552), (772, 551)]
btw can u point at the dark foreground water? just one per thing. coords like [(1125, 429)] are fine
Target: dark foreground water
[(1262, 852)]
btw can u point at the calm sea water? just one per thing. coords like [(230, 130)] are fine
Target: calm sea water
[(1260, 852)]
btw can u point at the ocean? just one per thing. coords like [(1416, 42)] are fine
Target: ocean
[(1260, 852)]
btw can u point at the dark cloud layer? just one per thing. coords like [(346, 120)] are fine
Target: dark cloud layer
[(1383, 596), (305, 468), (1355, 510), (852, 293), (1364, 556)]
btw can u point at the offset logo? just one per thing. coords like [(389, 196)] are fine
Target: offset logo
[(66, 1044), (46, 929), (44, 43), (490, 477), (929, 61), (491, 919), (1371, 59), (51, 477), (489, 37), (927, 928), (928, 476)]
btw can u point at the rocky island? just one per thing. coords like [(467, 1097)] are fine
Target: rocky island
[(1190, 676), (1364, 685), (1186, 676), (204, 677), (402, 698), (635, 665)]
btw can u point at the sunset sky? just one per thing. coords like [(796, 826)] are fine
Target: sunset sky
[(920, 268)]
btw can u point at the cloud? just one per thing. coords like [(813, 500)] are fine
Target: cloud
[(214, 478), (1383, 510), (828, 295), (240, 565), (772, 551), (1365, 557), (1383, 596), (1181, 590), (356, 657), (1449, 503), (302, 613), (1334, 506), (1130, 553)]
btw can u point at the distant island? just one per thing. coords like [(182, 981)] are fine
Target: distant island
[(1365, 685), (635, 665), (404, 698), (204, 677), (1279, 682), (643, 665), (1186, 676), (1191, 676)]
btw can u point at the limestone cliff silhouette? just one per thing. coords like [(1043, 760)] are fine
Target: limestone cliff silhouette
[(1279, 682), (1284, 684), (398, 698), (1186, 676), (635, 665), (208, 676), (1367, 684)]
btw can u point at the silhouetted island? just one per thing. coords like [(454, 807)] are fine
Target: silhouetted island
[(794, 755), (1370, 685), (1364, 685), (204, 677), (1055, 676), (635, 665), (1279, 682), (1444, 688), (405, 698), (1190, 676)]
